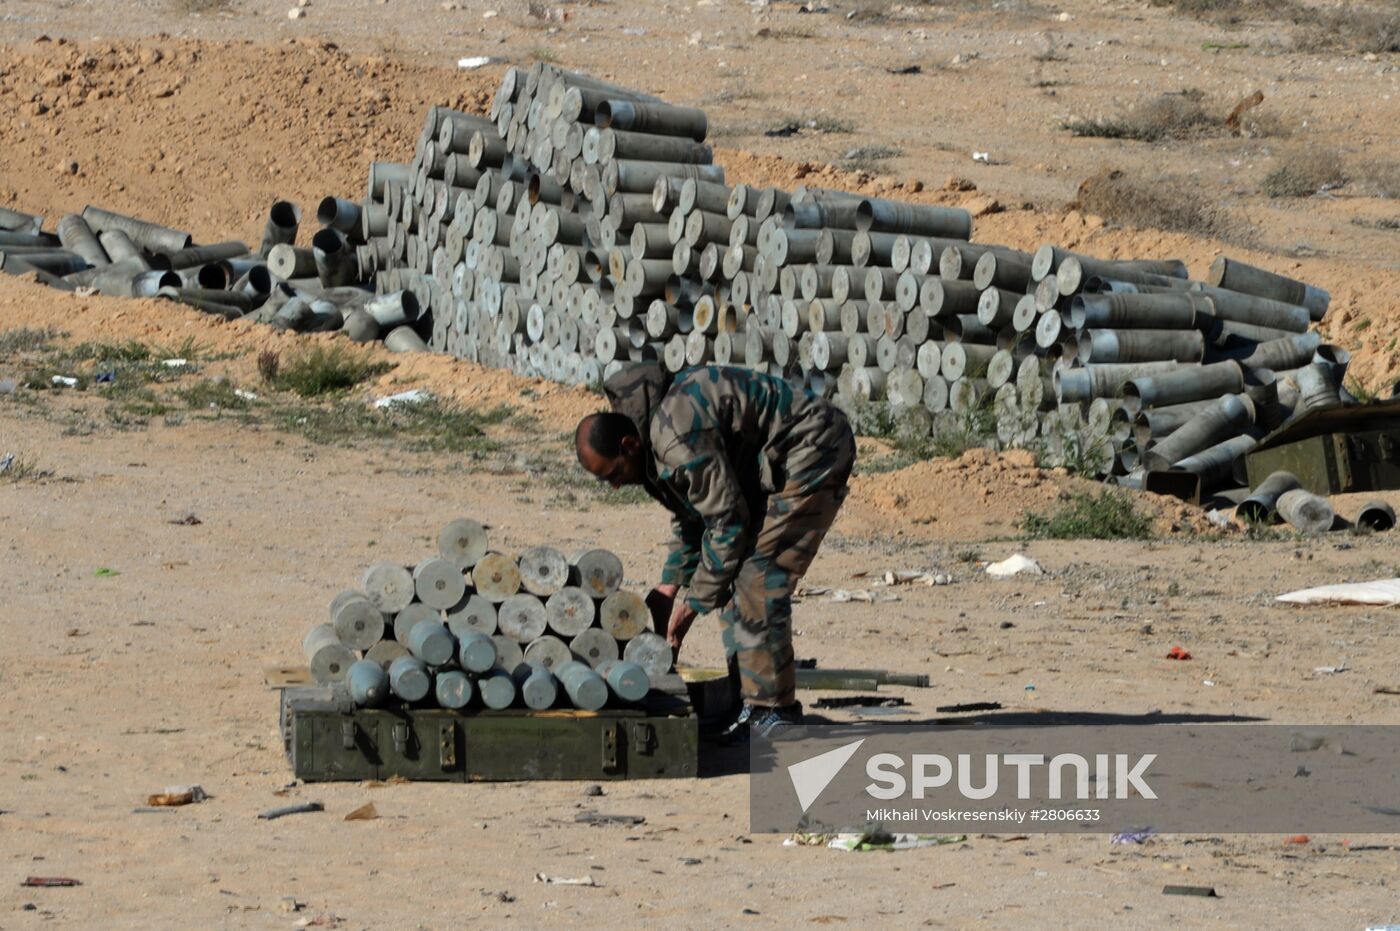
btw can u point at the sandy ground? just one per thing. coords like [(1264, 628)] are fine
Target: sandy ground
[(115, 686)]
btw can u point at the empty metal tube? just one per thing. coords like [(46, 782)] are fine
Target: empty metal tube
[(661, 119), (75, 235), (917, 219), (283, 220), (1262, 503), (1377, 516), (1234, 275), (1307, 512), (1227, 418), (1147, 345), (149, 236), (1182, 384)]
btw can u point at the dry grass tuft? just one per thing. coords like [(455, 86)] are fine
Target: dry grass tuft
[(1304, 172), (1169, 116), (201, 7), (1167, 204)]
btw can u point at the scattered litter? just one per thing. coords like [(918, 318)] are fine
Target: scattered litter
[(296, 13), (916, 577), (175, 796), (814, 8), (984, 157), (873, 839), (290, 904), (104, 573), (1298, 839), (245, 395), (970, 706), (783, 131), (475, 61), (6, 462), (1014, 565), (413, 396), (8, 385), (1132, 837), (366, 812), (65, 380), (1218, 518), (302, 809), (1380, 592), (1331, 670), (1386, 690), (49, 882), (595, 817), (189, 520), (594, 791), (105, 378), (690, 861), (633, 31), (174, 363), (1178, 653), (860, 701), (1206, 891), (907, 69), (566, 881), (1030, 687)]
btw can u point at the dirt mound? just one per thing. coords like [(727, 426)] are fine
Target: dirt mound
[(206, 136), (981, 494)]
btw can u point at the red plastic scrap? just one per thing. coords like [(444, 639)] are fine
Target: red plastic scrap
[(49, 881), (1178, 653)]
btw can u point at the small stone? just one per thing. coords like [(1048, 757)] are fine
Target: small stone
[(296, 13), (290, 904), (593, 791), (1007, 625), (67, 167)]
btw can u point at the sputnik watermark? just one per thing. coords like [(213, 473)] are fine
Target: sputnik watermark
[(1186, 778), (1116, 775)]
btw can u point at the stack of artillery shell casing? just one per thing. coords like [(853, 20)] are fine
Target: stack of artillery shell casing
[(580, 225), (469, 626)]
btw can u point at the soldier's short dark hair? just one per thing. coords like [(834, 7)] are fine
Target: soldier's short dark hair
[(604, 432)]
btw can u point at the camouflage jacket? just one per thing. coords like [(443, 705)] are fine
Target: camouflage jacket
[(718, 440)]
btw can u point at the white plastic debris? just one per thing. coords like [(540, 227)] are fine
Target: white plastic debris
[(1018, 564), (174, 363), (916, 577), (414, 396), (65, 380), (566, 881), (1380, 592), (474, 62), (245, 395), (985, 157)]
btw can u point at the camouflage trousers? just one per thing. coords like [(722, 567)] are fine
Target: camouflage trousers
[(757, 623)]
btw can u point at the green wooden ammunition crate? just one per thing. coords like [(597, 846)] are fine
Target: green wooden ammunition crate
[(327, 740), (1334, 450)]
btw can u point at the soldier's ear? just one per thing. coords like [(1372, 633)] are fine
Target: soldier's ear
[(630, 446)]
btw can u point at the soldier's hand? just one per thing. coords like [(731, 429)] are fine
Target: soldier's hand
[(660, 601), (681, 619)]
